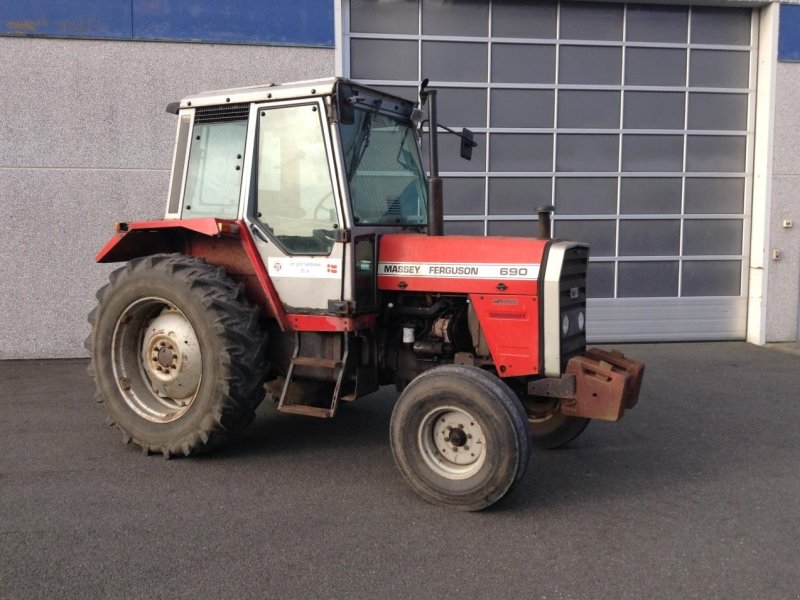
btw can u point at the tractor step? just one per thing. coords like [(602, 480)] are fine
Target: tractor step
[(314, 385), (310, 411), (313, 361)]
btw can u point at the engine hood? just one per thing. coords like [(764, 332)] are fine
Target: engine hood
[(460, 264)]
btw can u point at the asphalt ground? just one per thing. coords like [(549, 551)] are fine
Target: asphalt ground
[(694, 494)]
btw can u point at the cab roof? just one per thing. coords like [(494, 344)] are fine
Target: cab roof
[(311, 88)]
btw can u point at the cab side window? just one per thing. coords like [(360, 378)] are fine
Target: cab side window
[(214, 173), (295, 198)]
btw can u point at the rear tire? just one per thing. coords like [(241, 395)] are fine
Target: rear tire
[(460, 437), (178, 355)]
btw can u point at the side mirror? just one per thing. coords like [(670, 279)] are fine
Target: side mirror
[(344, 106), (417, 116), (467, 144), (423, 95)]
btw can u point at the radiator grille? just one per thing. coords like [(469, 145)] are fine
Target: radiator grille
[(572, 303), (227, 113)]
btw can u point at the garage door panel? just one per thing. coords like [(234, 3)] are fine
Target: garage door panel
[(513, 228), (718, 111), (650, 195), (719, 69), (712, 237), (652, 153), (655, 66), (464, 196), (654, 110), (654, 24), (588, 109), (523, 63), (600, 279), (515, 19), (599, 234), (711, 278), (516, 152), (709, 195), (723, 26), (587, 152), (645, 237), (471, 18), (590, 65), (710, 153), (374, 16), (586, 196), (652, 279), (589, 21), (635, 121), (522, 108), (464, 106), (372, 59), (454, 61), (518, 195)]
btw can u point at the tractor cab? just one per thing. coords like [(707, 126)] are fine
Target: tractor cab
[(309, 167)]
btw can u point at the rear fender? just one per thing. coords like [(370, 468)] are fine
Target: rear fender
[(222, 242)]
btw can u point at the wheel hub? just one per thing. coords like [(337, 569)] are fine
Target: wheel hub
[(166, 357), (452, 443), (171, 357), (457, 437)]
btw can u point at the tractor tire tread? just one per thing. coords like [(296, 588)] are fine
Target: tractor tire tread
[(232, 318)]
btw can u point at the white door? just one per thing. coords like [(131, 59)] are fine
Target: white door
[(296, 205)]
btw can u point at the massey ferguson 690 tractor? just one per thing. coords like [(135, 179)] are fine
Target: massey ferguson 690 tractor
[(302, 256)]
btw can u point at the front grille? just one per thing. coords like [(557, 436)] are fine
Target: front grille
[(227, 113), (572, 303)]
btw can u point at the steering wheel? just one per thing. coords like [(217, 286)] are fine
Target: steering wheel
[(325, 237), (322, 205)]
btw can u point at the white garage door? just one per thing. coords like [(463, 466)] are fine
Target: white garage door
[(635, 121)]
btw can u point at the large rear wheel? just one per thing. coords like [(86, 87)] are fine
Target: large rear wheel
[(178, 355), (460, 438)]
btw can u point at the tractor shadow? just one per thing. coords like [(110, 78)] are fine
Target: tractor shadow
[(358, 426)]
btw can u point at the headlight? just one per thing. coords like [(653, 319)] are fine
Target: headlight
[(565, 325)]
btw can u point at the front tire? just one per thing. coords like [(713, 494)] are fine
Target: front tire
[(459, 437), (178, 354)]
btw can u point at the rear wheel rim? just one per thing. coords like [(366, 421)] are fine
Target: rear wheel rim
[(157, 360), (452, 442)]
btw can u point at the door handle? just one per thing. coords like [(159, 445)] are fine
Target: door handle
[(259, 234)]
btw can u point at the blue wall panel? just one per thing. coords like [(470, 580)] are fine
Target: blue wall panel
[(789, 36), (283, 22), (241, 21), (66, 18)]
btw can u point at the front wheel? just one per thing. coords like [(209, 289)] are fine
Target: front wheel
[(178, 354), (459, 437)]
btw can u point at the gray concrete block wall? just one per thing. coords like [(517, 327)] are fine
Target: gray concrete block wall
[(85, 142), (783, 286)]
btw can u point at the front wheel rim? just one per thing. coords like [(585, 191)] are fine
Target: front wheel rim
[(452, 442), (156, 358)]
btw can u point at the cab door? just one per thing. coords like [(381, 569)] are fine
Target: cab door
[(294, 205)]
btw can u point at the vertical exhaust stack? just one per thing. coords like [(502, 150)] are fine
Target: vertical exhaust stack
[(435, 188), (545, 222)]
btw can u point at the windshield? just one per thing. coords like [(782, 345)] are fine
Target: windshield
[(384, 173)]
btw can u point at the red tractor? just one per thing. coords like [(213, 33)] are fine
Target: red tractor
[(302, 256)]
